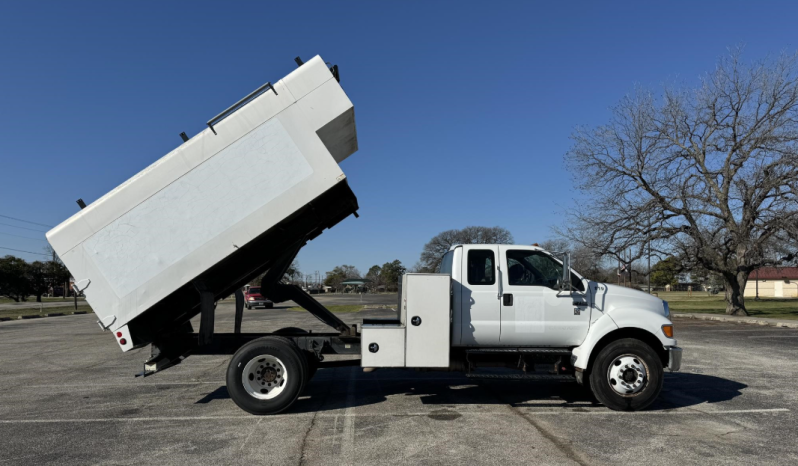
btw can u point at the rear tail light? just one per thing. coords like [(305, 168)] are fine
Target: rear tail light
[(122, 341)]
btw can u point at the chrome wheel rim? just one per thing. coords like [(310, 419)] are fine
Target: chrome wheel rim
[(264, 377), (627, 375)]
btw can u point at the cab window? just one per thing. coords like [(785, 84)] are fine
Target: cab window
[(481, 267), (534, 268)]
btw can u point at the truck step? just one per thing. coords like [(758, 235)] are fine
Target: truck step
[(557, 351), (561, 377)]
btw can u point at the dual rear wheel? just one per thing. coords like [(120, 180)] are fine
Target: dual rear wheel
[(267, 375)]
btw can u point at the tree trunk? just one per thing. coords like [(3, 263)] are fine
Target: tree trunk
[(735, 287)]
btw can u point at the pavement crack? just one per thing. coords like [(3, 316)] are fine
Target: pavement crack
[(302, 452), (302, 448), (565, 447)]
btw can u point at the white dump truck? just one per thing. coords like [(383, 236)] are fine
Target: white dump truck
[(167, 244)]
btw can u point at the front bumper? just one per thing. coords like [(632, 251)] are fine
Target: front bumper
[(674, 358), (260, 302)]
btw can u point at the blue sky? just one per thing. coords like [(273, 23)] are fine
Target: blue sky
[(464, 110)]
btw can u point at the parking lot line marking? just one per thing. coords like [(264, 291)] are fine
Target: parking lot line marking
[(773, 336), (251, 431), (348, 440), (684, 411), (126, 384), (349, 417)]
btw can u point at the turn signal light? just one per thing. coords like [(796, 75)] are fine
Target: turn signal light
[(668, 330)]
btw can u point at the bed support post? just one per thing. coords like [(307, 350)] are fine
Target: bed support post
[(207, 308), (239, 310)]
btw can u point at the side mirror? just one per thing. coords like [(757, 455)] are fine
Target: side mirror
[(565, 281)]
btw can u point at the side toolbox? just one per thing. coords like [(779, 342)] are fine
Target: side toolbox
[(382, 345), (427, 304)]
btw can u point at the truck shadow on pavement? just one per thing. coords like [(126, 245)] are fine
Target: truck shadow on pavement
[(330, 390)]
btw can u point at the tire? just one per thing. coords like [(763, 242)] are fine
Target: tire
[(626, 375), (249, 307), (268, 306), (266, 375)]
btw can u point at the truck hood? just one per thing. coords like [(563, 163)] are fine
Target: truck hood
[(608, 298)]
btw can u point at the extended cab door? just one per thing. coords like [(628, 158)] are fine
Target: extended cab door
[(534, 312), (480, 319)]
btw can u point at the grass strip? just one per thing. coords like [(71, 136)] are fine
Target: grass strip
[(17, 313), (775, 308)]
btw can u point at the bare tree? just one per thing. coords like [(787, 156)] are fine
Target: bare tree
[(436, 247), (709, 174)]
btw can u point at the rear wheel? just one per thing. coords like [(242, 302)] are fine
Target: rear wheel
[(266, 375), (626, 375)]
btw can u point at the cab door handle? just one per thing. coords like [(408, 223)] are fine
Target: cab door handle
[(507, 299)]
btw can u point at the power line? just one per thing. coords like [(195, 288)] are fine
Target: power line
[(20, 236), (29, 252), (24, 228), (26, 221)]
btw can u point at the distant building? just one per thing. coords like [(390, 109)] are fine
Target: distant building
[(773, 282), (355, 285)]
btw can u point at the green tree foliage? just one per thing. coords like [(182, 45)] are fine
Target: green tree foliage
[(38, 279), (339, 274), (391, 273), (665, 272), (374, 275), (15, 278)]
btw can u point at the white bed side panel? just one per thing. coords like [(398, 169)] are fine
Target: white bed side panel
[(151, 237)]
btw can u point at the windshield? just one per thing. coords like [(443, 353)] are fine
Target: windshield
[(254, 290)]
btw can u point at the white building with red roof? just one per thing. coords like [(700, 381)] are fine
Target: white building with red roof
[(773, 282)]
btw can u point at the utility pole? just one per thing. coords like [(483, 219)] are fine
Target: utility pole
[(649, 257)]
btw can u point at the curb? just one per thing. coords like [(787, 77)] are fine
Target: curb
[(739, 320)]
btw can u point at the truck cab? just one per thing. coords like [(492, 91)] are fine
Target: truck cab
[(510, 295), (521, 307)]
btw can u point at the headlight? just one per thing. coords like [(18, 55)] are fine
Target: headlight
[(666, 308), (253, 299)]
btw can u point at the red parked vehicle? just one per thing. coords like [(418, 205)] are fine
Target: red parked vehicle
[(253, 298)]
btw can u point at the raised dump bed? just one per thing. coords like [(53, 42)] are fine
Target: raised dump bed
[(230, 203)]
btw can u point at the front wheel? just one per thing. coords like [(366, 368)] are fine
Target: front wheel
[(266, 375), (626, 375)]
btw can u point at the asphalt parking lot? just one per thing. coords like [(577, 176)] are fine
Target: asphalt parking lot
[(68, 396)]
